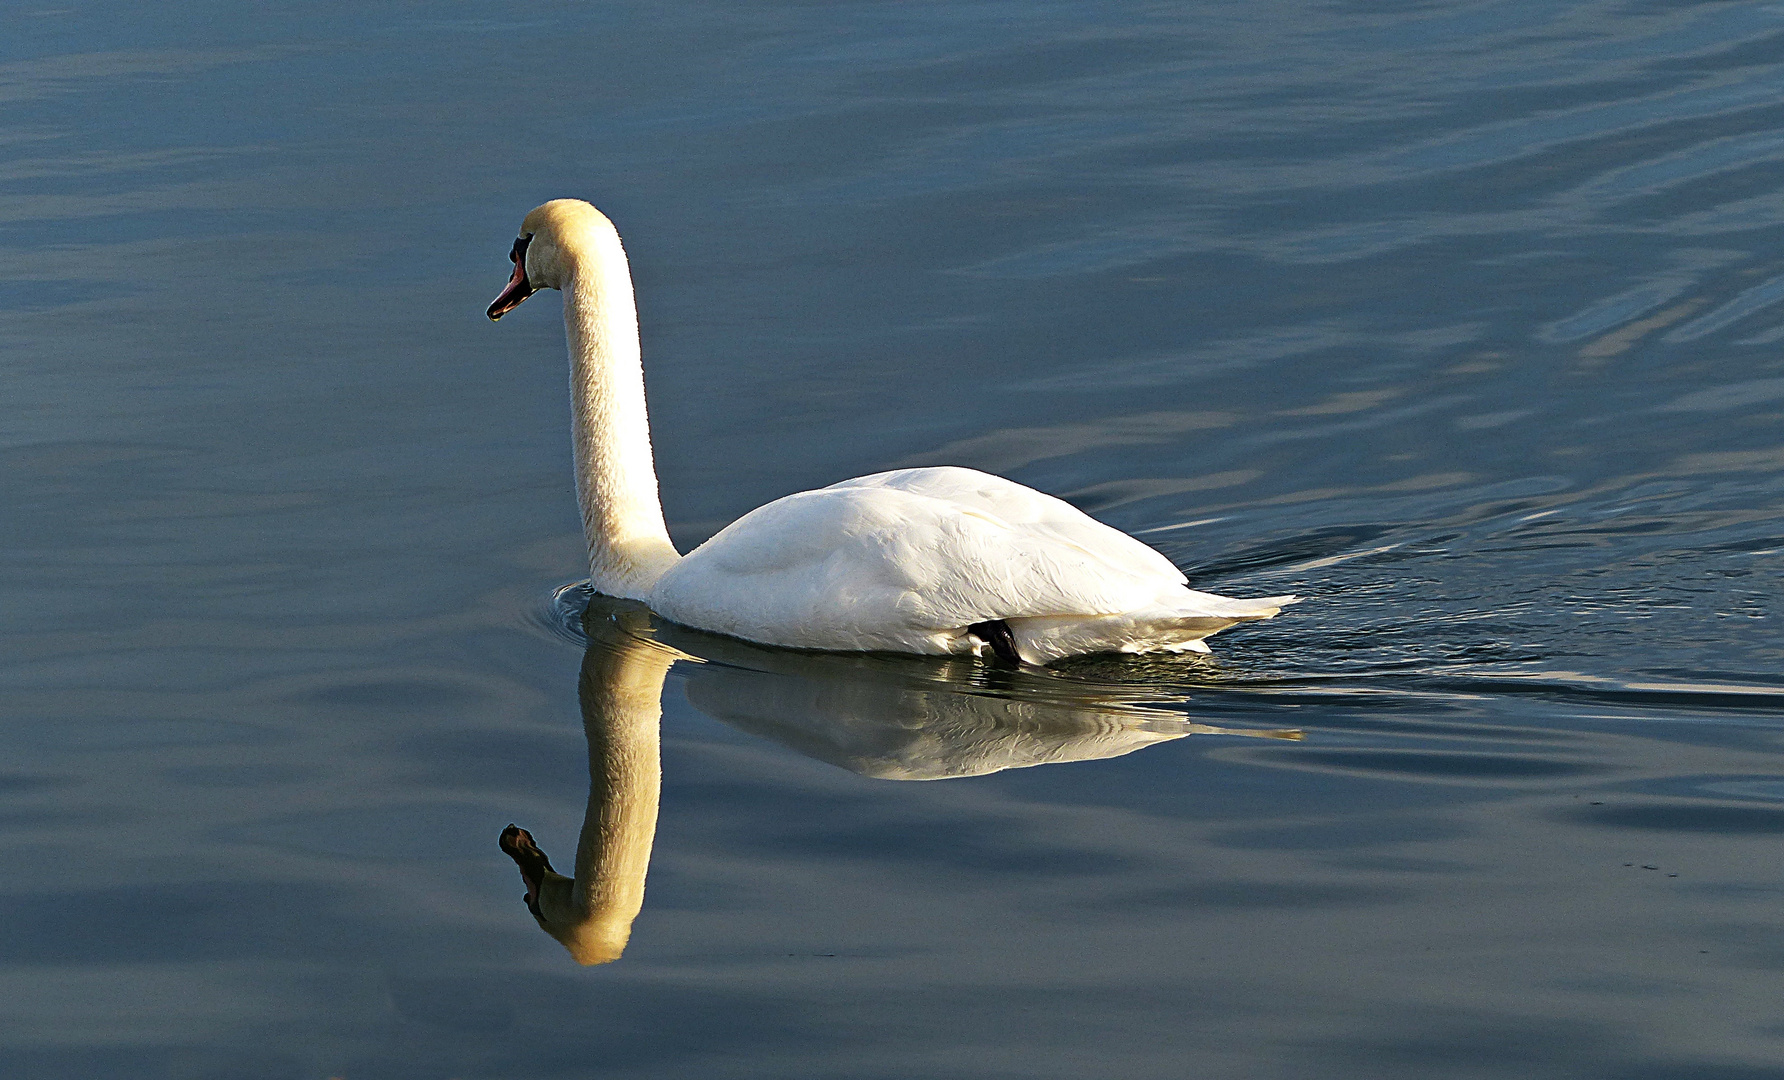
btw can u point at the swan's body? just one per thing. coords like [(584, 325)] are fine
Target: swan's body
[(906, 561), (917, 560)]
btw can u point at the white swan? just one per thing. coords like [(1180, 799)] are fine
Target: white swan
[(938, 560)]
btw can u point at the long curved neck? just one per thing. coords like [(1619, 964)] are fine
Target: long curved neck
[(616, 478)]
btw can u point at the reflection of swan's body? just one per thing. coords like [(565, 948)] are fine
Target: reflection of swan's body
[(938, 561), (887, 717), (906, 719)]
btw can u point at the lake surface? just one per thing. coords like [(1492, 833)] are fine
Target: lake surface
[(1463, 321)]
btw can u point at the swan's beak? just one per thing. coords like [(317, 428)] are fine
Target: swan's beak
[(518, 289)]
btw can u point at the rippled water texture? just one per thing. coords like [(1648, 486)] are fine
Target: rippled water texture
[(1462, 320)]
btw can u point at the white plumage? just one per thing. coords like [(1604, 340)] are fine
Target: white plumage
[(906, 561)]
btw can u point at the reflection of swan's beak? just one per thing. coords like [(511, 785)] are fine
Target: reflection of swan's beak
[(518, 289), (519, 846)]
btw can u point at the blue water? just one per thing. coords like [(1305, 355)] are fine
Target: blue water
[(1462, 321)]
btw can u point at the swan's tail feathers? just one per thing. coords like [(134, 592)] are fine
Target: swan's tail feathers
[(1231, 608), (1201, 615), (1183, 633), (1175, 622), (1180, 623)]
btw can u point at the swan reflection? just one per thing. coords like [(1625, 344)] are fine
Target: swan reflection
[(621, 693), (898, 718)]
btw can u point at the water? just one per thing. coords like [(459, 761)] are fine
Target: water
[(1461, 320)]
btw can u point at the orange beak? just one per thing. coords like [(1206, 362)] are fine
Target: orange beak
[(518, 287)]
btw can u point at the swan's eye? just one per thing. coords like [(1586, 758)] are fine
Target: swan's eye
[(520, 250)]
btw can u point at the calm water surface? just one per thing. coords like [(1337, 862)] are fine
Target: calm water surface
[(1465, 321)]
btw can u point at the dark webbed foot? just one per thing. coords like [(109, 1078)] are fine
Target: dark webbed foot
[(996, 633)]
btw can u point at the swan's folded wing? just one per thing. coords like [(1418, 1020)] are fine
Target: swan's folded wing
[(864, 565), (1027, 510)]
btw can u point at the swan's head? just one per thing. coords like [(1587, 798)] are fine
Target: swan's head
[(551, 897), (554, 240)]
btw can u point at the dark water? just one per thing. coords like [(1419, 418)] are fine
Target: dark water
[(1462, 320)]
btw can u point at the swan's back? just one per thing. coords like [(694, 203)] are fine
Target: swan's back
[(908, 560), (1030, 511)]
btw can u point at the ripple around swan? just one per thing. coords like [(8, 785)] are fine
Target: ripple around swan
[(1233, 682), (1446, 765), (1460, 320), (1686, 818)]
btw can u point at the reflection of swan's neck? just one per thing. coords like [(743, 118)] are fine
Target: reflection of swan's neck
[(616, 479), (621, 693)]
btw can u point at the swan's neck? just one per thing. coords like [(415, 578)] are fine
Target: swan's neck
[(616, 478)]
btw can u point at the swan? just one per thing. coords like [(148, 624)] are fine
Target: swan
[(931, 560)]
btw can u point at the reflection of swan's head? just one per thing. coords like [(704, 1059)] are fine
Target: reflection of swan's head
[(551, 897), (549, 251)]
